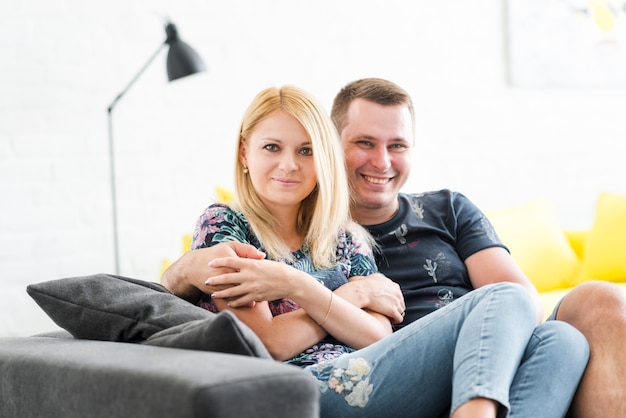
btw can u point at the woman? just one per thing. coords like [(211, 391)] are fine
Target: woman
[(292, 204)]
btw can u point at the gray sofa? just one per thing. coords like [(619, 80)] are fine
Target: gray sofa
[(162, 358)]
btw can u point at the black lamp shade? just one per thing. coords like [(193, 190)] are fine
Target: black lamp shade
[(182, 60)]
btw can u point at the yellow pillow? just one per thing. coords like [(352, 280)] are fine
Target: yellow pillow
[(605, 250), (577, 239), (224, 195), (537, 243)]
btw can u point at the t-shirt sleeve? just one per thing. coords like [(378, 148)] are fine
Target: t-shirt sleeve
[(474, 231)]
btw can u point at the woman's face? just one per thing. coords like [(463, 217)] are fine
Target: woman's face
[(279, 158)]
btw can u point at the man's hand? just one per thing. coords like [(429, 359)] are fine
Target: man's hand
[(186, 277), (376, 293)]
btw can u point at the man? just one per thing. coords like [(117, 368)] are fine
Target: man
[(426, 244)]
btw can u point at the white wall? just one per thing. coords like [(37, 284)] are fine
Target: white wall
[(64, 61)]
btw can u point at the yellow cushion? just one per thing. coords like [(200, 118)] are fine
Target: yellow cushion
[(577, 239), (605, 250), (187, 238), (224, 195), (537, 243)]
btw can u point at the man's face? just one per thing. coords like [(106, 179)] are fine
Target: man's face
[(378, 144)]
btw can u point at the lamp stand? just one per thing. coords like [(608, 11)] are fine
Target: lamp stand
[(182, 61), (116, 247)]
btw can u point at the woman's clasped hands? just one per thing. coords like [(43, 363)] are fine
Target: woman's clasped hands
[(243, 281)]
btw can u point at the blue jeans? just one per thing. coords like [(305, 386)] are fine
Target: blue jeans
[(485, 344)]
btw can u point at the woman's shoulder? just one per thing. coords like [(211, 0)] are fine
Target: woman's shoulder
[(219, 222), (357, 237), (219, 208), (222, 211)]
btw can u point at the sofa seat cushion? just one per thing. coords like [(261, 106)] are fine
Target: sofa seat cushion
[(69, 378)]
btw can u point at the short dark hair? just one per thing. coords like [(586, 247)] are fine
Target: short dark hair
[(375, 90)]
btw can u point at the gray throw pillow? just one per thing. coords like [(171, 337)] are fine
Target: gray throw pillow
[(113, 308), (223, 333)]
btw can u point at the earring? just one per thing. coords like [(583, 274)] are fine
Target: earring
[(245, 170)]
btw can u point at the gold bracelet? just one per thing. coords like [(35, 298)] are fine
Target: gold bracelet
[(330, 305)]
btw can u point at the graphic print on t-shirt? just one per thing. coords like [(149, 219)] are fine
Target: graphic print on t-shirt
[(400, 233)]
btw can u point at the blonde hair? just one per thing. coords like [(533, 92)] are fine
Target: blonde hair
[(325, 211)]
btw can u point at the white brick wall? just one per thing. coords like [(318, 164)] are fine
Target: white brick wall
[(63, 62)]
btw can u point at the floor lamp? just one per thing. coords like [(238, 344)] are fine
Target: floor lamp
[(182, 61)]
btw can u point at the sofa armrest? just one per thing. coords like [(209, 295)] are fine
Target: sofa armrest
[(61, 377)]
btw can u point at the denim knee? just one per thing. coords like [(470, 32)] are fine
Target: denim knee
[(519, 294), (564, 338)]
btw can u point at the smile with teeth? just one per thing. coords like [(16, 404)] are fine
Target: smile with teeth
[(377, 180)]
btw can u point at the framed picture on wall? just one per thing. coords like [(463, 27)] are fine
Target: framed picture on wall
[(567, 43)]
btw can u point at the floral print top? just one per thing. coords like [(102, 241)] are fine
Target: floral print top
[(221, 223)]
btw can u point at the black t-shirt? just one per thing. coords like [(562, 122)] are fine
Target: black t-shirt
[(424, 246)]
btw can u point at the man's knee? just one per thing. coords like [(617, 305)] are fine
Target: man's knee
[(592, 301)]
